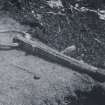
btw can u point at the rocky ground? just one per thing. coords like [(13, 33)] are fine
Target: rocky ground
[(30, 80), (59, 28)]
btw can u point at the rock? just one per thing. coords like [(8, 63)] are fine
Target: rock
[(69, 50)]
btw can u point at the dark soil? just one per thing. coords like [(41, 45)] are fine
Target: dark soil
[(84, 30)]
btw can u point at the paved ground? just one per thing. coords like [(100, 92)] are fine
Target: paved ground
[(30, 80)]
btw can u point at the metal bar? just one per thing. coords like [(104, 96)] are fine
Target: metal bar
[(36, 47)]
